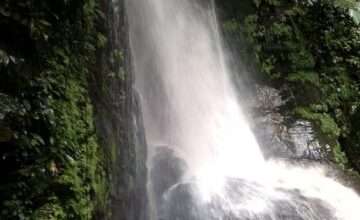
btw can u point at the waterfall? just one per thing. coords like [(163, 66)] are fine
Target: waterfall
[(204, 160)]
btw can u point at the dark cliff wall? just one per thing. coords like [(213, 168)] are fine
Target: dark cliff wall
[(118, 119)]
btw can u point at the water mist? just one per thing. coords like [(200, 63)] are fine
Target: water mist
[(204, 160)]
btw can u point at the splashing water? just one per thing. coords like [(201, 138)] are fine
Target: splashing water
[(205, 162)]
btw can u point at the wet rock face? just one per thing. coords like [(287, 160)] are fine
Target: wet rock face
[(241, 200), (166, 171), (119, 121), (280, 137)]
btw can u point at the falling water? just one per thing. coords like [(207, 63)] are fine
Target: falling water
[(204, 160)]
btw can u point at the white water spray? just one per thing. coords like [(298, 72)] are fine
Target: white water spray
[(191, 107)]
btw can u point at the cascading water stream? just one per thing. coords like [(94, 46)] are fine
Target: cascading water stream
[(205, 162)]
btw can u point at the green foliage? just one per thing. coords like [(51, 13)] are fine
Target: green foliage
[(325, 122), (50, 211), (339, 156), (271, 2), (345, 3), (315, 60), (304, 78), (353, 140), (52, 166)]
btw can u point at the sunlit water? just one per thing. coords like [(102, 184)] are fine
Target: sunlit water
[(205, 162)]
